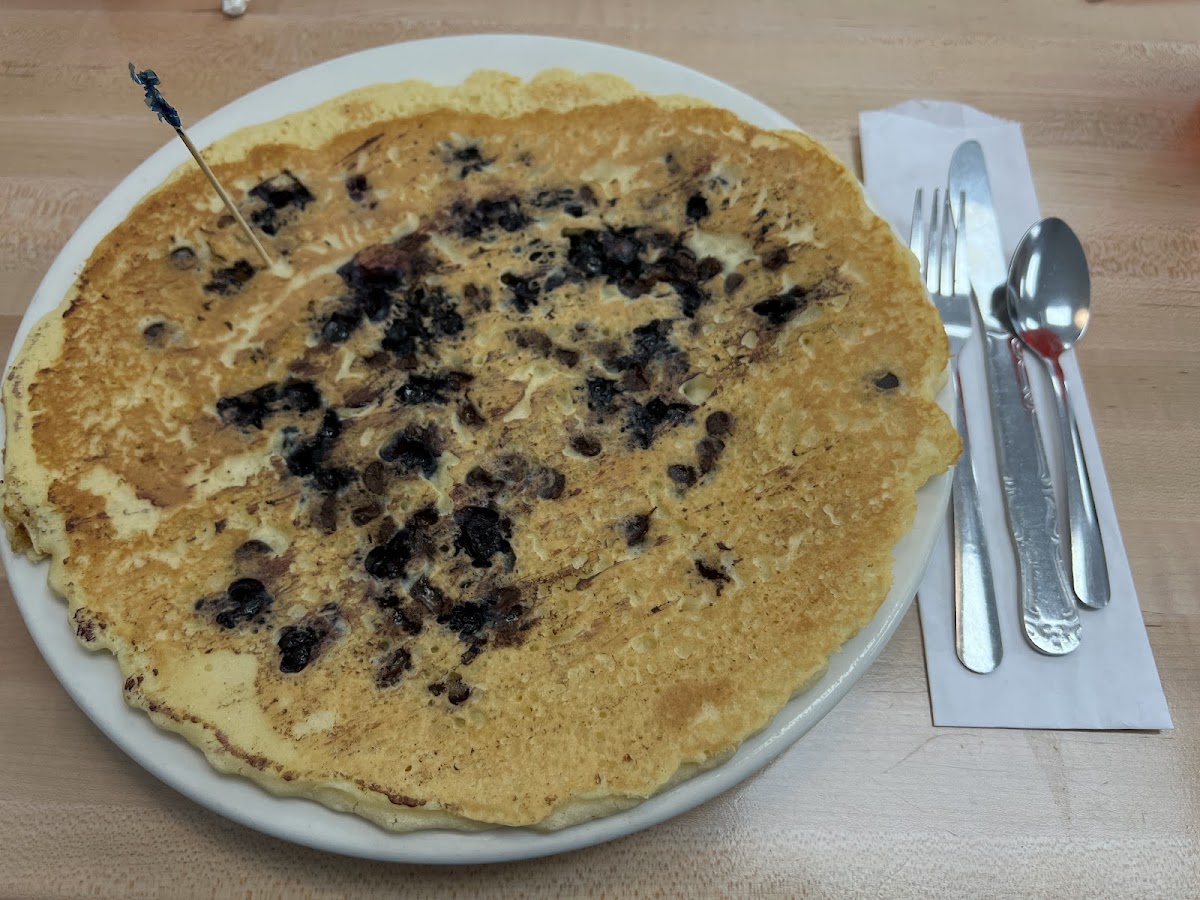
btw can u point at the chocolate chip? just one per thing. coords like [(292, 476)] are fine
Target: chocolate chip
[(469, 415), (230, 280), (282, 193), (428, 595), (415, 449), (531, 339), (374, 477), (709, 267), (487, 214), (299, 396), (718, 423), (684, 476), (458, 693), (634, 380), (482, 533), (364, 514), (297, 646), (602, 393), (387, 561), (586, 445), (635, 528), (781, 307), (480, 477), (512, 467), (567, 357), (548, 483), (421, 389), (424, 517), (697, 207), (887, 381), (393, 667), (712, 574), (357, 187), (251, 549), (250, 409), (244, 599), (437, 688), (183, 258), (733, 281), (776, 259), (524, 289), (406, 623), (645, 421), (707, 451), (154, 332), (325, 517)]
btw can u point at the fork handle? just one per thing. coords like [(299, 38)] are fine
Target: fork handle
[(976, 618)]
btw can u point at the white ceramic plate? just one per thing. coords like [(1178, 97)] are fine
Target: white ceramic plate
[(93, 679)]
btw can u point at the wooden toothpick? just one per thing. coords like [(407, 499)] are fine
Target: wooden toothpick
[(149, 82)]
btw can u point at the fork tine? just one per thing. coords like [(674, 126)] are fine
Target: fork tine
[(946, 247), (962, 280), (933, 253), (916, 231)]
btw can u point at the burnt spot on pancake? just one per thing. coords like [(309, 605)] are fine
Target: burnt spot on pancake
[(482, 534), (887, 381), (279, 198), (477, 220), (245, 600), (231, 279)]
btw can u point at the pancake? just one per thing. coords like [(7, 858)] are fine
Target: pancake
[(568, 439)]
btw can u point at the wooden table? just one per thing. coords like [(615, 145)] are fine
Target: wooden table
[(874, 801)]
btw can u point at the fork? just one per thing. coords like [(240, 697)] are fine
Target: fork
[(943, 266)]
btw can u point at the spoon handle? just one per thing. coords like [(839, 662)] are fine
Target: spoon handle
[(1089, 562)]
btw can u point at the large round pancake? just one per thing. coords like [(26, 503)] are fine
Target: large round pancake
[(579, 643)]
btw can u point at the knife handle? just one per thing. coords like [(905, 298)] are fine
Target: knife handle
[(1051, 620)]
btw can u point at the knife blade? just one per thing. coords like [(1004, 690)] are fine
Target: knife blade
[(1049, 615)]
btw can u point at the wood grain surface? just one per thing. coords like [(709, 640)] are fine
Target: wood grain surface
[(874, 802)]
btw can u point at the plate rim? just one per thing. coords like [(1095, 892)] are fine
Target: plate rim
[(237, 798)]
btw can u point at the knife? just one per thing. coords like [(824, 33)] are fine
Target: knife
[(1048, 611)]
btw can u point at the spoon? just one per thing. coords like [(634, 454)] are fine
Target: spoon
[(1049, 296)]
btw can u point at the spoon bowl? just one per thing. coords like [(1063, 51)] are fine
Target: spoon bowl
[(1049, 304), (1050, 290)]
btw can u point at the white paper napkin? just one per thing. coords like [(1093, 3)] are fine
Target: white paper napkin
[(1111, 681)]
